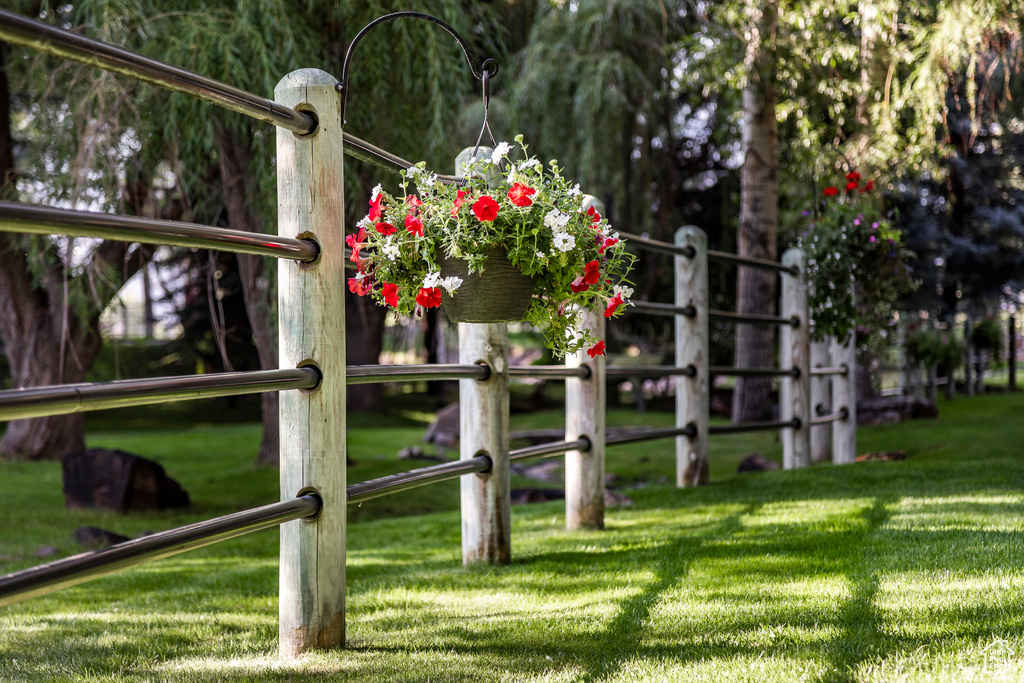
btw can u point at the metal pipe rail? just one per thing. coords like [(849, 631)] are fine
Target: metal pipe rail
[(70, 571), (765, 264), (752, 372), (546, 450), (689, 430), (824, 372), (834, 417), (51, 40), (655, 308), (650, 371), (754, 427), (374, 374), (42, 37), (548, 372), (658, 246), (393, 483), (44, 220), (752, 318), (17, 404)]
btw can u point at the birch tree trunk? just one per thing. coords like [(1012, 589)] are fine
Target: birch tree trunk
[(756, 289)]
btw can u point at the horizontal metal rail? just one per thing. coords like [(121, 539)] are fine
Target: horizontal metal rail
[(658, 246), (546, 450), (650, 434), (548, 372), (45, 220), (765, 264), (753, 372), (393, 483), (835, 417), (754, 427), (650, 371), (824, 372), (51, 40), (47, 578), (752, 318), (364, 151), (374, 374), (17, 404), (655, 308)]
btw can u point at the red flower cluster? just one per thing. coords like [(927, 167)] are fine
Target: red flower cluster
[(520, 194), (613, 305), (596, 350), (390, 293), (595, 217), (376, 210), (485, 208), (414, 225), (429, 297), (591, 276), (356, 242), (852, 183), (460, 199), (385, 228)]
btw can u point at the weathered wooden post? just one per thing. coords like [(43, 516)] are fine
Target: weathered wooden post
[(844, 398), (483, 429), (1011, 345), (821, 395), (969, 361), (693, 392), (584, 416), (311, 326), (795, 352)]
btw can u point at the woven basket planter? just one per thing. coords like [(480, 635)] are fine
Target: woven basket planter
[(500, 294)]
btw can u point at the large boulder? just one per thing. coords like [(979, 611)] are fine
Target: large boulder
[(119, 481)]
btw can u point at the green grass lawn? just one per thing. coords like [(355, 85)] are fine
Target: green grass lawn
[(907, 571)]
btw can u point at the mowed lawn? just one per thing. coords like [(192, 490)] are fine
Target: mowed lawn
[(906, 571)]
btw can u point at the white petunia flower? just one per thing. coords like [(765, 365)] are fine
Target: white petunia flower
[(529, 163), (451, 284), (501, 150), (429, 180), (390, 249), (623, 291), (511, 178), (432, 279), (376, 191), (541, 254), (556, 220), (366, 223), (564, 241), (574, 191), (412, 171)]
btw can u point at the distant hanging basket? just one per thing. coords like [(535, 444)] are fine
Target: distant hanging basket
[(500, 294)]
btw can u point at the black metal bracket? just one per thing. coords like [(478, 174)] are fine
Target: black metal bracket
[(483, 74)]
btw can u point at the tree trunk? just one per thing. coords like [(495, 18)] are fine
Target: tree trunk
[(234, 168), (757, 234), (364, 331)]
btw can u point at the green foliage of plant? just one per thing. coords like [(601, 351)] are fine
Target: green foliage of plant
[(933, 348), (988, 335), (856, 264), (535, 217)]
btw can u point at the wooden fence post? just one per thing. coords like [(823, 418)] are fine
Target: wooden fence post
[(693, 394), (1011, 346), (795, 352), (844, 396), (483, 429), (311, 326), (584, 416), (969, 362), (821, 395)]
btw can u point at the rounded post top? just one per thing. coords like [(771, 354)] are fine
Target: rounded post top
[(691, 235), (793, 257), (304, 78)]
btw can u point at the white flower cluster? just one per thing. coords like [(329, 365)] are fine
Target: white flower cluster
[(574, 191), (564, 241), (390, 249), (623, 291), (500, 151), (376, 191), (556, 220), (529, 163), (450, 283), (366, 223)]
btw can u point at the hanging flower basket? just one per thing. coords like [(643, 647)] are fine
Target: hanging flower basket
[(514, 241), (500, 293)]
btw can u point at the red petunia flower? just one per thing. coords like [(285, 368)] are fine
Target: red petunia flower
[(520, 194), (613, 305), (358, 285), (429, 297), (596, 350), (356, 242), (595, 217), (485, 208), (870, 185), (376, 211), (852, 185), (610, 241), (460, 199), (831, 191), (414, 225), (390, 293), (385, 228), (413, 201), (578, 285), (853, 175), (591, 273)]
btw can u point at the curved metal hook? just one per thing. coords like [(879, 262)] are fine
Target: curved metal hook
[(479, 75)]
